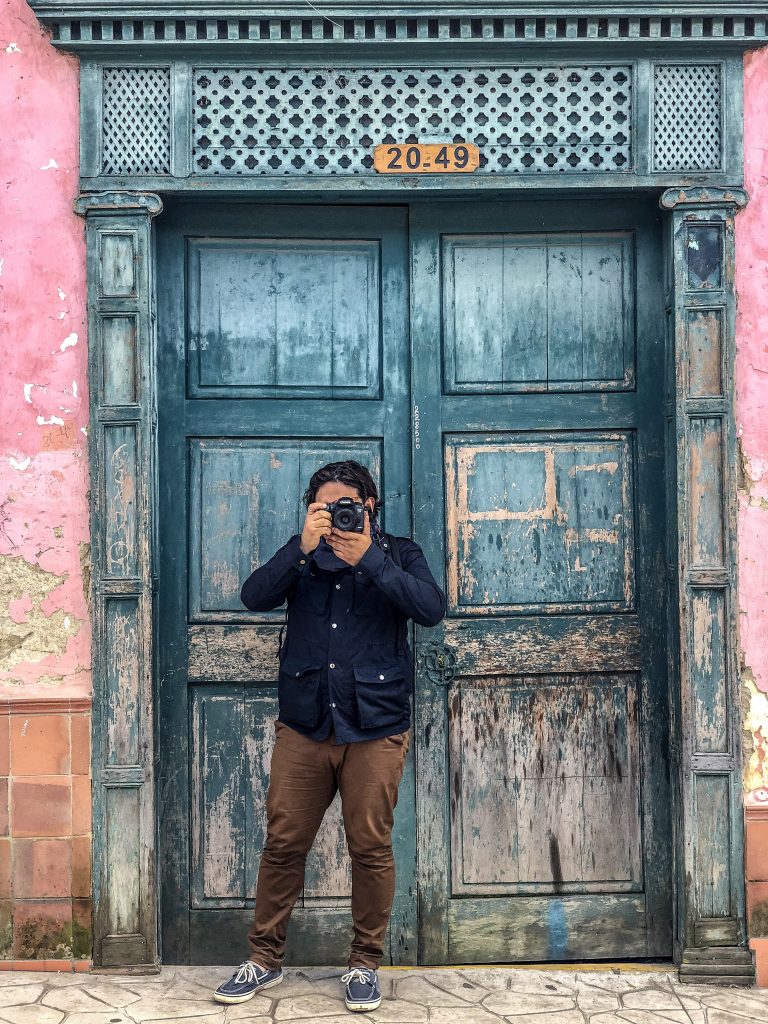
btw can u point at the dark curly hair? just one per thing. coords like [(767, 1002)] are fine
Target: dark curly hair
[(348, 472)]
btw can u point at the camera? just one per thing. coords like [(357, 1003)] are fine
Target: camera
[(347, 514)]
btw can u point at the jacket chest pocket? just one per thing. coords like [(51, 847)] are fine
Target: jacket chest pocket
[(297, 691), (311, 595), (368, 599)]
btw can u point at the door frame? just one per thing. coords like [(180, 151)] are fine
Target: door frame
[(710, 939)]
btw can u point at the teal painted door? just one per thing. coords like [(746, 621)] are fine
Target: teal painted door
[(283, 345), (543, 804), (518, 434)]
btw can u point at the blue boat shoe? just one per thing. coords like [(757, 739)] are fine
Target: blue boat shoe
[(247, 980), (363, 991)]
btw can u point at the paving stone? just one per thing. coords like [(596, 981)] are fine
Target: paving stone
[(625, 981), (420, 990), (456, 983), (17, 994), (651, 999), (734, 1016), (251, 1020), (398, 1011), (307, 1006), (462, 1015), (606, 1018), (595, 1000), (491, 978), (31, 1014), (102, 1017), (536, 984), (510, 1004), (738, 1001), (161, 1008), (561, 1017), (71, 999), (211, 1018), (697, 1016), (649, 1016), (112, 995), (60, 979)]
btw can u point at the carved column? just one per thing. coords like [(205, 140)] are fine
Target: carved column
[(711, 934), (120, 360)]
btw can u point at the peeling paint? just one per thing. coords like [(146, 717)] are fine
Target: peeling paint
[(51, 165), (752, 423), (20, 466), (39, 634), (68, 342)]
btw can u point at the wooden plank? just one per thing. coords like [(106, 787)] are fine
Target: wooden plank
[(564, 334), (122, 683), (472, 312), (607, 306), (712, 884), (524, 327), (316, 937), (237, 654), (709, 649), (540, 928), (706, 491)]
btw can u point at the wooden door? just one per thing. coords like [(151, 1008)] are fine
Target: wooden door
[(543, 795), (283, 345)]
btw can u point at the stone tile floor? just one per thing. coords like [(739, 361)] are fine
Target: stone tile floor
[(438, 996)]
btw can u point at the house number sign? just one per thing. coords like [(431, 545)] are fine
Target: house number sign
[(426, 158)]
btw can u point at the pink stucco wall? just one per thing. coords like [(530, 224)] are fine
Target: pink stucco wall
[(752, 422), (45, 650)]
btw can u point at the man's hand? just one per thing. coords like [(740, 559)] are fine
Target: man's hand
[(317, 524), (348, 546)]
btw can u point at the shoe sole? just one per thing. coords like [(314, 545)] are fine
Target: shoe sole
[(362, 1007), (231, 1000)]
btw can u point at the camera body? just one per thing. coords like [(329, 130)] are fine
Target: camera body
[(347, 514)]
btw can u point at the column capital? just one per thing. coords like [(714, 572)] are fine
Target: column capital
[(118, 202), (702, 196)]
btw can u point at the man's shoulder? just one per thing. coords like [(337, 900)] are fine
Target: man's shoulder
[(405, 545)]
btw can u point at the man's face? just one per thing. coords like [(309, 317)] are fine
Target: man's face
[(332, 491)]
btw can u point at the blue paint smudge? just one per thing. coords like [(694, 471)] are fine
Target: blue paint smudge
[(557, 931)]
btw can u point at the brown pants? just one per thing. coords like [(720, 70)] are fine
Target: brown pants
[(305, 776)]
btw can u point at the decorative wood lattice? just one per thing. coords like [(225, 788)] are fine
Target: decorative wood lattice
[(137, 121), (320, 121), (687, 117)]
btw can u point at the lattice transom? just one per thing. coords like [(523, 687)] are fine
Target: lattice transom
[(687, 120), (319, 121), (137, 121)]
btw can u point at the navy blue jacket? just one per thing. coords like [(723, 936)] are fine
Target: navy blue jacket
[(340, 667)]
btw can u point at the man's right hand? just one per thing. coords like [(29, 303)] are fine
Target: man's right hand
[(317, 524)]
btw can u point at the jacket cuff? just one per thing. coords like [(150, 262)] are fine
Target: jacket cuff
[(297, 556), (372, 561)]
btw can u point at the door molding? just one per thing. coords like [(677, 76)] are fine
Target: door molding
[(710, 934)]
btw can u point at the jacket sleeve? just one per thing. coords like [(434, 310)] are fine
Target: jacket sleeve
[(412, 588), (269, 585)]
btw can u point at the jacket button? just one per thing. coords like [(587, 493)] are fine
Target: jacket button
[(332, 665), (298, 673), (381, 677), (302, 561), (338, 586), (333, 625), (333, 705)]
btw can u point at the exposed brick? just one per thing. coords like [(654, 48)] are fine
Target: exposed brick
[(81, 866), (40, 744), (41, 807), (757, 850), (757, 908), (81, 744), (42, 868), (5, 745), (42, 930), (81, 805), (5, 868)]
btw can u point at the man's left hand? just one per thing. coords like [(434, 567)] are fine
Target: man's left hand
[(350, 547)]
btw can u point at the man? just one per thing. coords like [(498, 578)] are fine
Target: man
[(344, 718)]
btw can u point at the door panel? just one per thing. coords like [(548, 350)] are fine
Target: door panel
[(283, 345), (543, 808)]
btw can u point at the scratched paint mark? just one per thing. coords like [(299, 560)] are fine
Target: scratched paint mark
[(557, 931), (50, 166), (54, 421), (13, 48), (19, 465), (68, 342)]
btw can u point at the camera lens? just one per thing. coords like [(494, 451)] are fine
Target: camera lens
[(344, 519)]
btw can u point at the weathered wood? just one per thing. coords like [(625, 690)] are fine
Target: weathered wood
[(535, 749), (238, 494), (122, 470), (710, 865), (536, 928)]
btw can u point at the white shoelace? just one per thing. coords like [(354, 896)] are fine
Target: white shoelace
[(362, 974), (248, 971)]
